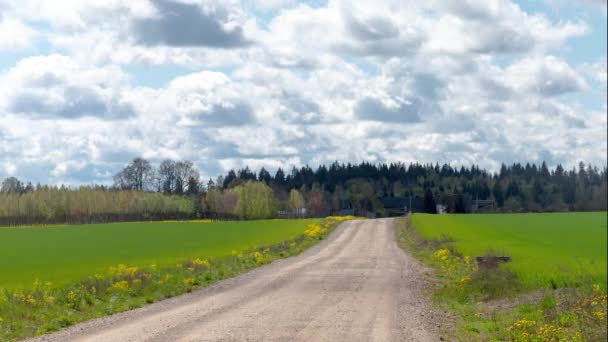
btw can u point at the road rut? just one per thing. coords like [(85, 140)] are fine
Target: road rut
[(357, 285)]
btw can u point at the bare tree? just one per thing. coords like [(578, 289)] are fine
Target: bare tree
[(184, 171), (167, 175), (138, 175)]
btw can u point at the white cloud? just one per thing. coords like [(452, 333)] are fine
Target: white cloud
[(496, 27), (547, 76), (448, 81), (273, 4), (15, 35), (55, 86)]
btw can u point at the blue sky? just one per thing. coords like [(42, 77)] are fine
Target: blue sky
[(85, 86)]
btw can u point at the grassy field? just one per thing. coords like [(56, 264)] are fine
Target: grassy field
[(548, 250), (65, 254)]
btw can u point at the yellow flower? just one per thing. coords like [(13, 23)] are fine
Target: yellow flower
[(442, 254), (29, 299), (524, 324), (314, 230), (71, 296), (122, 270), (49, 299), (465, 280), (189, 282), (122, 285), (259, 257), (200, 262)]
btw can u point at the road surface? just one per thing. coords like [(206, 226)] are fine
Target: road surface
[(357, 285)]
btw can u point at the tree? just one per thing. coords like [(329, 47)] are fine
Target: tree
[(264, 176), (512, 190), (279, 177), (460, 206), (138, 175), (229, 179), (362, 195), (316, 204), (194, 187), (11, 185), (296, 201), (498, 194), (430, 206), (255, 200), (184, 172), (167, 174)]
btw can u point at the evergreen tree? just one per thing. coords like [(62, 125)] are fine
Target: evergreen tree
[(430, 206)]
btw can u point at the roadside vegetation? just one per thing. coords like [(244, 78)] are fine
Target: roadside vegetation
[(541, 295), (45, 306)]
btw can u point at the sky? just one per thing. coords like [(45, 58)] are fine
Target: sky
[(86, 86)]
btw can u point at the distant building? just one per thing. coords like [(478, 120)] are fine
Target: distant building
[(298, 213), (442, 209)]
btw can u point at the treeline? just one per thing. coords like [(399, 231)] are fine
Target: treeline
[(46, 204), (174, 190), (366, 187)]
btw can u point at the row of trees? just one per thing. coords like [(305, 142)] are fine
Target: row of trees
[(46, 204), (174, 189)]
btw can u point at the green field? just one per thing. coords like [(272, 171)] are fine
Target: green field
[(65, 254), (548, 249)]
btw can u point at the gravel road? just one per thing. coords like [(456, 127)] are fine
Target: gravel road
[(357, 285)]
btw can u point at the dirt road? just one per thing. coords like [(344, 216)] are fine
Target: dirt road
[(357, 285)]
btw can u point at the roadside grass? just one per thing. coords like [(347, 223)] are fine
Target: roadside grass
[(499, 305), (65, 254), (46, 307)]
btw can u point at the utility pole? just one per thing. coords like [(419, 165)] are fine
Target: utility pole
[(410, 202)]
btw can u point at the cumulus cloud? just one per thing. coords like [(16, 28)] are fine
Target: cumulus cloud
[(302, 83), (185, 25), (393, 111), (548, 76), (56, 86), (15, 35), (496, 26)]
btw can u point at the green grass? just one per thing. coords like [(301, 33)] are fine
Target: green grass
[(65, 254), (547, 250)]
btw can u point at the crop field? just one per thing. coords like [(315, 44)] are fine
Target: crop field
[(65, 254), (547, 250)]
